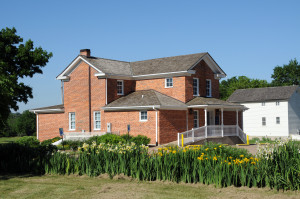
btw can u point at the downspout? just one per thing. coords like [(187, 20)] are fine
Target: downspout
[(90, 122), (105, 91), (37, 125), (156, 127), (62, 91)]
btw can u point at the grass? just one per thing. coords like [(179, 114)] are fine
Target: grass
[(55, 186), (4, 140)]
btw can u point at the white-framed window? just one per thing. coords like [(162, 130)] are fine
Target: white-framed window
[(277, 120), (208, 88), (168, 82), (196, 86), (277, 103), (143, 116), (72, 121), (263, 103), (120, 87), (196, 119), (97, 120), (264, 121)]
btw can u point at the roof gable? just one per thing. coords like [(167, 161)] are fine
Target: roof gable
[(175, 66), (262, 94)]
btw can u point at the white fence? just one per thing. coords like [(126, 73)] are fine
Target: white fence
[(84, 135), (212, 131)]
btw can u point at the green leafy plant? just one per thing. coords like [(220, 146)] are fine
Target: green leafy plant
[(30, 141), (140, 139)]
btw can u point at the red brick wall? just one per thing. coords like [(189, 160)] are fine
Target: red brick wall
[(203, 72), (230, 118), (120, 120), (177, 91), (49, 124), (171, 122), (129, 86)]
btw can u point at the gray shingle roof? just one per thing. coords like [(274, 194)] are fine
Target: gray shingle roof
[(60, 106), (262, 94), (152, 66), (209, 101), (166, 64), (146, 98), (110, 66)]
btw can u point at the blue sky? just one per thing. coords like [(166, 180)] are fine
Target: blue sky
[(244, 37)]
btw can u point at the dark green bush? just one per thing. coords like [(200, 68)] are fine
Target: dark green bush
[(127, 137), (30, 141), (140, 139), (72, 144), (50, 141), (107, 138)]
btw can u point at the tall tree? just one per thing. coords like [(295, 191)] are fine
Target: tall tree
[(287, 74), (227, 87), (17, 60)]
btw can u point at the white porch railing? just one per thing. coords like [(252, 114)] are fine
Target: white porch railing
[(84, 135), (211, 131)]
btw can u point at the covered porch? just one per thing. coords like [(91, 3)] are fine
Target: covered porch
[(212, 118)]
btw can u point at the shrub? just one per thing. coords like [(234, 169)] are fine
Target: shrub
[(140, 139), (72, 144), (50, 141), (127, 137), (30, 141), (107, 138)]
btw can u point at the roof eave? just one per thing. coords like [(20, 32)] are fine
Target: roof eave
[(47, 111)]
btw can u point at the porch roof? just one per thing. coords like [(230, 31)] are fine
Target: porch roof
[(49, 109), (145, 99), (213, 103)]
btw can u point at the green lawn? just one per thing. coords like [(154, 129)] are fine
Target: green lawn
[(8, 139), (121, 187)]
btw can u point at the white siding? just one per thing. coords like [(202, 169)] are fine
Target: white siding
[(294, 113), (252, 119)]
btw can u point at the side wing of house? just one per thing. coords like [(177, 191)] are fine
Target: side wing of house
[(294, 113), (266, 118)]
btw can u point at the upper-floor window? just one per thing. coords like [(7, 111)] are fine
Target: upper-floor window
[(72, 121), (169, 82), (277, 120), (263, 121), (277, 103), (195, 86), (208, 88), (120, 87), (263, 103), (196, 119), (143, 116), (97, 120)]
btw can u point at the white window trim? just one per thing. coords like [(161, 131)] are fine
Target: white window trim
[(166, 82), (210, 91), (141, 116), (122, 87), (197, 118), (97, 120), (70, 121), (197, 87)]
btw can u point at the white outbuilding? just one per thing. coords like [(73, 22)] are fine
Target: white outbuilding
[(272, 111)]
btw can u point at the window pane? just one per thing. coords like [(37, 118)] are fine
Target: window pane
[(97, 118), (195, 87), (143, 115), (196, 119), (120, 87), (208, 88), (169, 82), (277, 120), (264, 121)]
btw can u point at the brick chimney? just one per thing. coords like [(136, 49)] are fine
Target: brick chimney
[(85, 52)]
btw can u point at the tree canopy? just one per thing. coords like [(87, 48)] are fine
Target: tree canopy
[(287, 74), (17, 60), (227, 87)]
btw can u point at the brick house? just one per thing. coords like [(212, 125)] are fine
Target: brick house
[(157, 98)]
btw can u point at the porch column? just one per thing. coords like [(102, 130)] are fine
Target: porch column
[(205, 119), (237, 122), (222, 122), (156, 128)]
